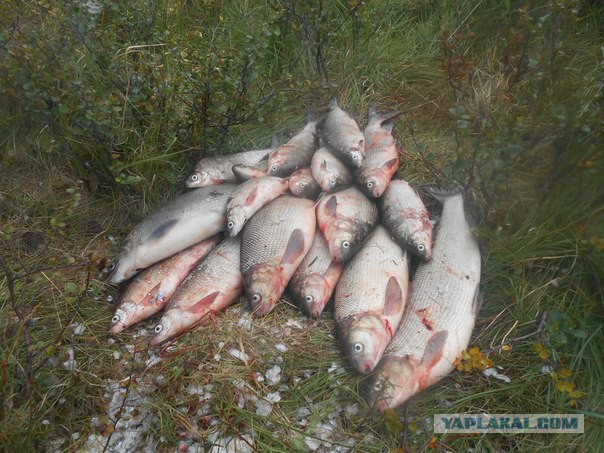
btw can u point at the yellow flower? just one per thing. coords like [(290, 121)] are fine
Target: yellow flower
[(565, 372)]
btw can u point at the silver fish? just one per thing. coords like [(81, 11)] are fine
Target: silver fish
[(273, 245), (249, 197), (296, 153), (342, 134), (219, 169), (212, 286), (329, 171), (151, 290), (302, 184), (370, 299), (381, 160), (346, 218), (404, 214), (185, 220), (315, 280), (443, 305)]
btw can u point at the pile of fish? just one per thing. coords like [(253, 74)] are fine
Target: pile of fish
[(319, 217)]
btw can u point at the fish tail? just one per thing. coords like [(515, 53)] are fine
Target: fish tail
[(442, 193)]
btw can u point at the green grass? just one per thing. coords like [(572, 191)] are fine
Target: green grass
[(103, 116)]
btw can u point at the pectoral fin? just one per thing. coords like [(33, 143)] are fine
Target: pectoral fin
[(295, 247), (434, 349), (394, 298), (162, 230), (204, 303), (330, 206)]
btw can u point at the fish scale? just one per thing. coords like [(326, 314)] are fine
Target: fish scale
[(440, 315), (274, 221)]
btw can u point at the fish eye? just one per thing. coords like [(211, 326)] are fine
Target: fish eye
[(358, 347), (194, 178), (309, 299), (355, 156), (111, 267), (256, 298), (332, 182), (116, 319), (275, 167), (378, 386), (230, 225), (421, 247), (345, 244), (158, 328), (302, 184), (369, 184)]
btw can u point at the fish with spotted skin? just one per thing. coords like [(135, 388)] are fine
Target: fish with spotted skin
[(405, 216), (249, 197), (329, 171), (314, 282), (370, 299), (185, 220), (296, 153), (341, 133), (151, 290), (381, 160), (346, 218), (274, 243), (302, 184), (212, 286), (210, 171), (443, 305)]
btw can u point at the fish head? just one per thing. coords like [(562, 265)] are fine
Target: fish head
[(281, 163), (124, 266), (262, 285), (122, 318), (346, 239), (332, 182), (421, 240), (355, 155), (365, 338), (394, 383), (314, 295), (166, 328), (375, 185), (235, 221), (198, 178)]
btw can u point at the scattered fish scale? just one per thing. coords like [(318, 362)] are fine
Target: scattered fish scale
[(346, 218), (151, 290), (442, 308), (370, 298), (249, 197), (341, 133), (382, 158), (296, 153), (210, 171), (302, 184), (314, 282), (329, 171), (404, 214), (185, 220), (214, 284), (274, 243)]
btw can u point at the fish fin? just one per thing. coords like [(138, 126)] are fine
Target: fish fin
[(434, 349), (251, 197), (478, 300), (333, 270), (295, 247), (394, 298), (362, 146), (333, 103), (392, 163), (151, 296), (441, 193), (372, 111), (331, 206), (163, 229), (324, 165), (274, 141), (204, 303)]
